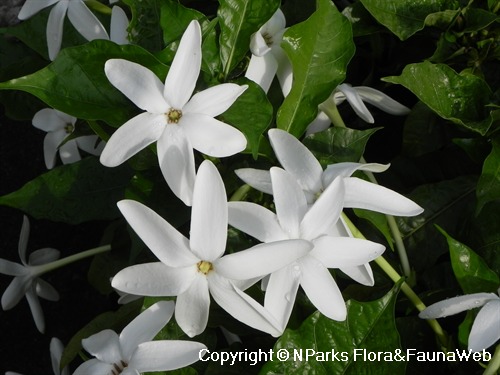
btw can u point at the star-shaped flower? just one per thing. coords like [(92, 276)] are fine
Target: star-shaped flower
[(178, 123), (84, 21), (26, 281), (132, 352), (194, 269), (58, 126), (486, 328)]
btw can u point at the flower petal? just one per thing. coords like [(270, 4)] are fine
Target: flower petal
[(486, 328), (31, 7), (355, 101), (45, 290), (262, 259), (104, 345), (23, 240), (48, 120), (364, 194), (137, 83), (362, 274), (69, 152), (56, 351), (256, 178), (214, 100), (118, 26), (133, 136), (258, 45), (85, 22), (285, 70), (382, 101), (455, 305), (183, 74), (43, 256), (276, 24), (51, 144), (347, 169), (15, 291), (262, 70), (11, 268), (320, 123), (169, 246), (256, 221), (209, 214), (297, 160), (211, 136), (192, 307), (94, 366), (145, 327), (36, 309), (90, 144), (175, 155), (55, 28)]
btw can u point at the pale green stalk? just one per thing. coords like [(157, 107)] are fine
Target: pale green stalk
[(98, 7), (241, 193), (494, 363)]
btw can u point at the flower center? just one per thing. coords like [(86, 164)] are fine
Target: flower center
[(69, 128), (204, 267), (174, 115), (268, 38), (118, 367)]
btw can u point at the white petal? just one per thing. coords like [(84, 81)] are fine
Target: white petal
[(364, 194), (262, 70), (356, 102), (382, 101), (165, 355), (90, 144), (209, 214), (214, 100), (290, 201), (69, 152), (145, 326), (15, 291), (45, 290), (118, 26), (48, 120), (43, 256), (347, 169), (276, 24), (23, 240), (211, 136), (137, 83), (175, 155), (169, 246), (51, 143), (455, 305), (55, 28), (192, 307), (335, 252), (242, 307), (36, 309), (133, 136), (320, 123), (154, 279), (297, 160), (362, 274), (31, 7), (11, 268), (321, 289), (85, 22), (183, 74), (256, 178), (285, 70), (56, 351), (104, 345), (93, 367), (256, 221), (258, 45), (486, 328)]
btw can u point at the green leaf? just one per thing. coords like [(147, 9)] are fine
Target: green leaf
[(477, 19), (405, 18), (75, 82), (337, 145), (471, 271), (175, 18), (238, 20), (461, 98), (319, 49), (379, 221), (72, 193), (488, 186), (369, 325), (146, 24)]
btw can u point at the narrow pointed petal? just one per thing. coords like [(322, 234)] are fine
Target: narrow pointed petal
[(31, 7), (154, 279), (48, 120), (145, 326), (321, 289), (262, 70), (336, 252), (169, 246), (137, 83), (382, 101), (297, 160), (256, 221), (362, 274), (15, 291), (56, 351), (356, 102), (290, 201), (69, 152), (51, 143), (85, 22), (36, 309), (455, 305), (55, 28), (104, 345), (363, 194), (185, 68), (11, 268), (320, 123), (211, 136), (486, 328), (276, 24), (209, 214), (118, 26), (165, 355), (261, 259), (284, 72), (256, 178), (258, 45), (43, 256), (45, 290), (214, 100), (192, 307), (130, 138), (23, 240), (175, 155), (242, 306), (90, 144), (347, 169), (94, 366)]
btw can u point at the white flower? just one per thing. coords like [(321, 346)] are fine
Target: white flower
[(118, 26), (26, 280), (84, 21), (356, 96), (293, 219), (194, 269), (58, 126), (307, 171), (133, 352), (268, 58), (178, 123), (486, 328)]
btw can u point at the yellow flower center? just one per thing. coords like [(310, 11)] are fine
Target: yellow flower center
[(174, 115), (204, 267), (69, 128)]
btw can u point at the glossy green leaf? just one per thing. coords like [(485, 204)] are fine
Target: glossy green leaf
[(175, 19), (461, 98), (238, 20), (319, 49), (146, 24), (405, 18), (73, 193), (369, 326), (477, 19), (488, 186)]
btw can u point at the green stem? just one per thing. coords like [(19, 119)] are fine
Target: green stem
[(494, 363), (241, 193), (98, 7)]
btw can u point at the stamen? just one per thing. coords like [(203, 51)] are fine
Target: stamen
[(69, 128), (174, 115), (205, 267)]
